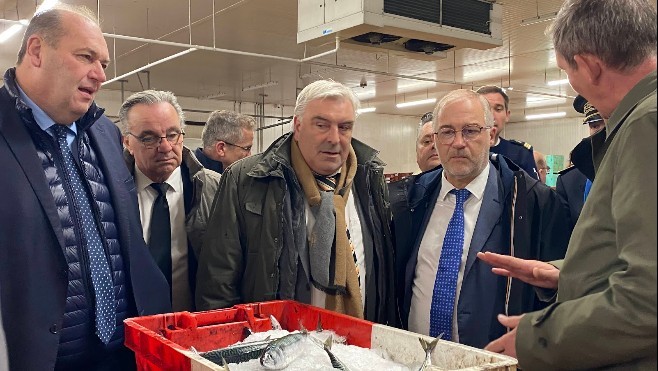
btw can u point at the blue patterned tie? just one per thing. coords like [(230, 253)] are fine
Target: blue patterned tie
[(101, 277), (445, 284), (588, 186)]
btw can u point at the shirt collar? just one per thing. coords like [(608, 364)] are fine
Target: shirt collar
[(175, 180), (476, 186), (43, 120)]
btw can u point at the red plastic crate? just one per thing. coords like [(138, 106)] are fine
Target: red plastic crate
[(160, 342)]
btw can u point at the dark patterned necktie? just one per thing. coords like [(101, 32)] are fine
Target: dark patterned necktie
[(445, 283), (328, 184), (101, 277), (160, 238)]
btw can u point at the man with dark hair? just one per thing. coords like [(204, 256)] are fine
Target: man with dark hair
[(519, 152), (604, 317), (73, 264), (426, 156), (227, 137)]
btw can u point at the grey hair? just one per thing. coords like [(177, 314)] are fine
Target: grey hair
[(622, 33), (226, 126), (48, 24), (148, 97), (463, 94), (323, 89)]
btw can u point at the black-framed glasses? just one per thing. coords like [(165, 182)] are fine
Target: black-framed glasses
[(247, 148), (469, 132), (153, 141)]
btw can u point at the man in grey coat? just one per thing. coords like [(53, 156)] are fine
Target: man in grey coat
[(605, 313)]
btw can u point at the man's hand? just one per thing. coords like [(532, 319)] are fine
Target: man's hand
[(506, 343), (533, 272)]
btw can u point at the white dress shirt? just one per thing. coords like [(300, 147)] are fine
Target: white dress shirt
[(180, 281), (318, 297), (431, 244)]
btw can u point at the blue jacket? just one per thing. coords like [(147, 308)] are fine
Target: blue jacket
[(540, 232), (33, 269)]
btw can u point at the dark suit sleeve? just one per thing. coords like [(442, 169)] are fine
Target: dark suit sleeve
[(561, 191)]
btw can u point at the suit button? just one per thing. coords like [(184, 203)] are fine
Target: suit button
[(543, 342), (53, 329)]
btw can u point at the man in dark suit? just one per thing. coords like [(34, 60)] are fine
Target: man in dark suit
[(73, 264), (443, 287), (572, 185)]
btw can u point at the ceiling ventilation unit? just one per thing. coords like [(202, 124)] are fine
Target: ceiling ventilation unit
[(422, 28)]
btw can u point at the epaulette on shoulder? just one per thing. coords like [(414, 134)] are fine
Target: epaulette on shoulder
[(520, 143), (564, 171)]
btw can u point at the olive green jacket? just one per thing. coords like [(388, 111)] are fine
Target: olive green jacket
[(605, 314)]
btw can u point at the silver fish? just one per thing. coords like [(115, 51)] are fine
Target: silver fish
[(335, 362), (275, 324), (283, 351), (428, 348), (237, 353)]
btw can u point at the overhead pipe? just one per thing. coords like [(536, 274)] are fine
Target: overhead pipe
[(165, 59)]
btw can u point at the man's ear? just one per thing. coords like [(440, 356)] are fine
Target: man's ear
[(34, 50), (297, 122), (492, 136), (590, 66), (126, 144), (220, 148)]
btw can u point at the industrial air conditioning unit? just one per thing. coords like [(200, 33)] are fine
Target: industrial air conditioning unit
[(425, 28)]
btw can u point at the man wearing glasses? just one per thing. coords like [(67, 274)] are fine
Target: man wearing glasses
[(227, 137), (174, 190), (475, 202)]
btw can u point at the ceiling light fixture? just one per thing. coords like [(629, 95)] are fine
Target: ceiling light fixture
[(11, 31), (260, 86), (539, 19), (540, 116), (366, 110), (416, 103), (214, 96), (557, 82)]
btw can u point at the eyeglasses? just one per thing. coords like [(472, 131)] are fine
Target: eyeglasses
[(153, 141), (247, 148), (469, 132)]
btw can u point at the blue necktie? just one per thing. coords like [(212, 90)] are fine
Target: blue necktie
[(101, 277), (588, 186), (445, 284)]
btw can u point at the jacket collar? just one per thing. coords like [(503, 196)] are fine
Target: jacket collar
[(83, 123)]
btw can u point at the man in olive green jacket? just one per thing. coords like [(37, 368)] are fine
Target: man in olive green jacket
[(605, 313)]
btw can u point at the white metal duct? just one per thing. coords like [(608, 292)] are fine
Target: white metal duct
[(442, 24)]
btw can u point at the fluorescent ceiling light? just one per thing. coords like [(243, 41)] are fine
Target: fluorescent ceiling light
[(214, 96), (539, 19), (416, 103), (11, 31), (366, 110), (47, 4), (557, 82), (540, 116), (260, 86)]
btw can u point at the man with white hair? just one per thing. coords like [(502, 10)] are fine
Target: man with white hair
[(307, 219), (476, 202)]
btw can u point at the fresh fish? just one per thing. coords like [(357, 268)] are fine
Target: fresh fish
[(428, 348), (335, 362), (275, 324), (281, 352), (237, 353)]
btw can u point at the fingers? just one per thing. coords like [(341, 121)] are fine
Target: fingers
[(509, 321), (496, 346)]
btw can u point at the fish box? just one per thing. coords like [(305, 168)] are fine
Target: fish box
[(165, 341)]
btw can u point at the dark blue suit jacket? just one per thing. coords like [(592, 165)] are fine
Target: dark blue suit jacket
[(571, 187), (33, 270), (540, 232)]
